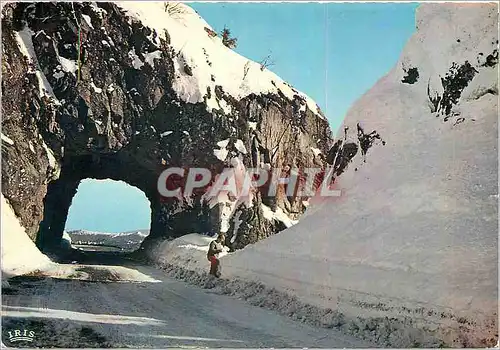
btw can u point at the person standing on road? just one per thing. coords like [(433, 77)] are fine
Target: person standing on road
[(215, 247)]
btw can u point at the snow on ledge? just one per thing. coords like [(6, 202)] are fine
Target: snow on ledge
[(68, 65), (50, 156), (25, 43), (207, 58), (7, 139), (222, 153), (88, 20), (96, 89), (240, 146), (279, 215), (316, 151)]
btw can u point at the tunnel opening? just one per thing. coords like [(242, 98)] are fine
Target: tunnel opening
[(166, 218), (107, 216), (106, 195)]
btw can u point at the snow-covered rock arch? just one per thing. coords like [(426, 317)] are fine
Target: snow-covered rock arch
[(145, 90)]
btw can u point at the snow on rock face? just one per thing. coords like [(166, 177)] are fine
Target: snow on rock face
[(88, 21), (223, 143), (206, 57), (50, 156), (150, 57), (237, 223), (231, 197), (65, 244), (7, 140), (136, 61), (416, 162), (96, 89), (25, 43), (68, 65), (66, 237), (278, 215), (315, 151), (222, 152), (240, 146)]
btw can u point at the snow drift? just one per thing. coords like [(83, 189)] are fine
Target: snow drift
[(189, 251), (414, 235), (19, 253), (416, 225)]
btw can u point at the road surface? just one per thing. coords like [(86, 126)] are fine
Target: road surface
[(138, 306)]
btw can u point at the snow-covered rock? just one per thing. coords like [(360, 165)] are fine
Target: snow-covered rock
[(7, 140), (66, 244), (207, 57)]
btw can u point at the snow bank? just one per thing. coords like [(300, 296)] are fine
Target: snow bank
[(185, 258), (416, 226), (206, 57), (413, 238), (189, 251), (19, 253), (20, 256)]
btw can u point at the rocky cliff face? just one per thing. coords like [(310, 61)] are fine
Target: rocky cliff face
[(412, 241), (125, 90)]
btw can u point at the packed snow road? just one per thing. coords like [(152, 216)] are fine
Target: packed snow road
[(138, 306)]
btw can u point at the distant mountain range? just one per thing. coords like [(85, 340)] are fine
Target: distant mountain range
[(127, 241)]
